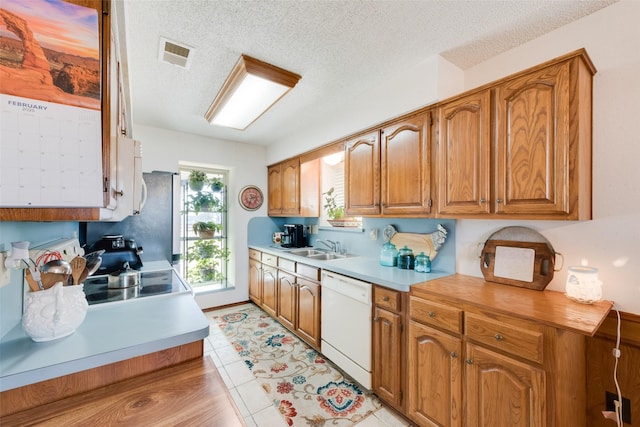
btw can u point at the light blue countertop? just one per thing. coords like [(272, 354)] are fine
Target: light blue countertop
[(363, 268), (110, 333)]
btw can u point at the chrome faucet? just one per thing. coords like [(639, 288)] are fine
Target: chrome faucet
[(334, 246)]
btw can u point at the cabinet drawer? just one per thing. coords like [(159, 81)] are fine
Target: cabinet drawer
[(436, 314), (253, 254), (525, 340), (387, 298), (269, 259), (308, 271), (287, 264)]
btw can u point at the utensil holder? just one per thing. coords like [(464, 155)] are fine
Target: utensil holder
[(55, 312)]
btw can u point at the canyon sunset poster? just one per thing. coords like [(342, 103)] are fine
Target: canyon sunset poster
[(50, 51), (50, 105)]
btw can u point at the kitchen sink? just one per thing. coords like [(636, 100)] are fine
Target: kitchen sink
[(327, 256), (308, 252)]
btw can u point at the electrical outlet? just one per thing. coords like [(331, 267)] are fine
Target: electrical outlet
[(5, 276), (611, 398)]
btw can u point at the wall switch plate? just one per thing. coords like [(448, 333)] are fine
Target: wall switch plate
[(5, 276), (373, 234)]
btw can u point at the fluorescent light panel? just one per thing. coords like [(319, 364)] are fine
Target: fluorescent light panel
[(251, 89)]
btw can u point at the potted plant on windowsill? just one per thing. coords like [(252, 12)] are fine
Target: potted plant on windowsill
[(197, 179), (206, 230), (335, 213)]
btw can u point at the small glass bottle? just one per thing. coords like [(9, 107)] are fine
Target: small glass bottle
[(423, 263), (405, 258), (388, 255)]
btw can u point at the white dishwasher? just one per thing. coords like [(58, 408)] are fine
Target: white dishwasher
[(346, 325)]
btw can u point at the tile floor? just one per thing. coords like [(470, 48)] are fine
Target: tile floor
[(253, 403)]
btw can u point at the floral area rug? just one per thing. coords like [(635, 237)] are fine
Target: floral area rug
[(305, 387)]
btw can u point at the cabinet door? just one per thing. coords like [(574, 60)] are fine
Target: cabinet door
[(255, 281), (287, 299), (434, 372), (502, 392), (532, 130), (269, 290), (464, 150), (275, 190), (405, 166), (291, 187), (387, 356), (308, 309), (362, 175)]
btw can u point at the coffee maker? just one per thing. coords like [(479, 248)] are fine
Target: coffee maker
[(294, 236)]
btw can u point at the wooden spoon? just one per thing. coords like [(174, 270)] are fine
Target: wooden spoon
[(31, 281), (77, 268)]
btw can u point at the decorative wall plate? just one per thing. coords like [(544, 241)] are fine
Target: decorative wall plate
[(250, 198)]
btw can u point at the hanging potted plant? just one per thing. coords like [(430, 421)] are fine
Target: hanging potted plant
[(205, 257), (206, 230), (203, 202), (197, 179), (216, 184)]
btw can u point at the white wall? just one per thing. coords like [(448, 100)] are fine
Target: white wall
[(163, 150), (611, 241)]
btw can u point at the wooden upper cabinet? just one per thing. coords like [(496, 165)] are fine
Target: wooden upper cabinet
[(520, 147), (284, 188), (464, 155), (294, 188), (387, 171), (275, 189), (533, 143), (291, 187), (362, 174), (406, 166)]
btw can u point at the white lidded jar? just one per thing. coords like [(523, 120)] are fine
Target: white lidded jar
[(583, 285)]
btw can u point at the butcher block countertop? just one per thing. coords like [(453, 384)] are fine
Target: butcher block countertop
[(550, 308)]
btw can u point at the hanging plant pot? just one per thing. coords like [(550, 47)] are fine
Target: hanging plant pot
[(205, 234), (196, 185), (216, 185), (196, 180)]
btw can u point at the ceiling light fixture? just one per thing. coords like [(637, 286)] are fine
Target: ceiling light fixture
[(251, 89)]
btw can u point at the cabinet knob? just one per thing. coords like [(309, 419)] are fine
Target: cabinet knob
[(469, 361), (118, 193), (498, 200), (432, 314), (483, 200), (454, 354), (385, 298), (498, 337)]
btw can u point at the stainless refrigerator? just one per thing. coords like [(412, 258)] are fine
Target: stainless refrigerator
[(156, 228)]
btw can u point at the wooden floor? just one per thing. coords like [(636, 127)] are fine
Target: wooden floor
[(189, 394)]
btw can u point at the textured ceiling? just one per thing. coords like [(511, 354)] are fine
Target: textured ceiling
[(341, 48)]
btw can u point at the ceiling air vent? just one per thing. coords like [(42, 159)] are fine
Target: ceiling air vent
[(175, 53)]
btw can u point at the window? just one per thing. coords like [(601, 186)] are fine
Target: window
[(204, 251)]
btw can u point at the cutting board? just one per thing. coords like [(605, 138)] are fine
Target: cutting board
[(526, 264), (417, 242)]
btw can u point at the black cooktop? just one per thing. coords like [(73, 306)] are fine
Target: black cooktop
[(152, 283)]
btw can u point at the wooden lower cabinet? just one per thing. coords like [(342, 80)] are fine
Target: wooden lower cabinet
[(473, 366), (434, 377), (387, 360), (308, 311), (255, 281), (388, 364), (269, 290), (290, 293), (287, 295), (503, 392)]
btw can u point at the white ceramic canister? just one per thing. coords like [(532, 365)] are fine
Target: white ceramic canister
[(55, 312), (583, 285)]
